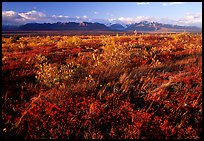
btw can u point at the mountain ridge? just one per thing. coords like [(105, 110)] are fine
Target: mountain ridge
[(140, 26)]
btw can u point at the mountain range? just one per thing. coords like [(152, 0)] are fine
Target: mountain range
[(140, 26)]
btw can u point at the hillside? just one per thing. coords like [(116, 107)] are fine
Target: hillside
[(143, 86)]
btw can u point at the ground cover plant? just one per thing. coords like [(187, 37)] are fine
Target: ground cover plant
[(141, 86)]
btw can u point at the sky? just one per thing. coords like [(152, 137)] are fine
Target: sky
[(180, 13)]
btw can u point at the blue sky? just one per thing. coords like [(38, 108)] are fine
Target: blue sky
[(182, 13)]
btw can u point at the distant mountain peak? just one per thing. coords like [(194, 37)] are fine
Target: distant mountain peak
[(155, 26), (117, 27)]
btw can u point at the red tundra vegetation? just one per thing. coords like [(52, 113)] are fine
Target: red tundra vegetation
[(142, 86)]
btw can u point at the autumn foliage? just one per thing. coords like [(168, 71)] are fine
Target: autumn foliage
[(144, 86)]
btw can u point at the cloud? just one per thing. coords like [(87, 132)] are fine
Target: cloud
[(77, 17), (126, 20), (10, 14), (15, 18), (95, 13), (130, 20), (188, 20), (143, 3), (56, 18), (32, 15), (172, 3), (191, 19), (20, 18)]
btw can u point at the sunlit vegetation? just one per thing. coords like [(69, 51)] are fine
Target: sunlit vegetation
[(138, 86)]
